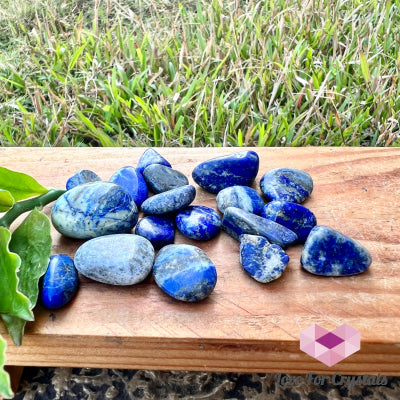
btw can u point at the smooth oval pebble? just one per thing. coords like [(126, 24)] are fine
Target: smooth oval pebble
[(60, 282), (94, 209), (198, 222), (122, 259), (219, 173), (288, 184), (331, 253), (243, 197), (81, 177), (170, 201), (150, 156), (159, 230), (133, 182), (184, 272), (161, 178), (293, 216)]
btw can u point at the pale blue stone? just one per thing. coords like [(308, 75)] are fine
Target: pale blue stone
[(264, 261), (159, 230), (122, 259), (331, 253), (184, 272), (243, 197), (150, 156), (161, 178), (94, 209), (81, 177)]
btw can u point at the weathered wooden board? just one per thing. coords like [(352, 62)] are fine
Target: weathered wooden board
[(243, 325)]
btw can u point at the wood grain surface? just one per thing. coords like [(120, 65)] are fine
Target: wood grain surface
[(244, 325)]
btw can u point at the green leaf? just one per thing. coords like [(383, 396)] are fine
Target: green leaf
[(11, 300), (5, 387), (20, 186), (32, 242), (6, 200), (364, 67)]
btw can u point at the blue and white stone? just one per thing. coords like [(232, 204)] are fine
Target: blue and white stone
[(243, 197), (173, 200), (331, 253), (198, 222), (94, 209), (122, 259), (60, 282), (287, 184), (184, 272), (293, 216), (133, 182), (219, 173), (236, 222), (264, 261), (159, 230), (160, 178), (81, 177), (149, 157)]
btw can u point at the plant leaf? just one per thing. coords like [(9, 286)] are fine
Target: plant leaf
[(364, 67), (5, 387), (20, 186), (6, 200)]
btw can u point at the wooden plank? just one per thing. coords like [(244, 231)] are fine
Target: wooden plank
[(243, 325)]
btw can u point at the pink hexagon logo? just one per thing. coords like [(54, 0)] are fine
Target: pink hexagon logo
[(330, 347)]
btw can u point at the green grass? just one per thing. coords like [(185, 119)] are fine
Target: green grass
[(147, 73)]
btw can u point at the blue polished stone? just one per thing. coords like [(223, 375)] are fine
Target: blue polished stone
[(242, 197), (264, 261), (331, 253), (159, 230), (295, 217), (81, 177), (94, 209), (149, 157), (132, 181), (173, 200), (122, 259), (60, 282), (198, 222), (184, 272), (236, 222), (287, 184), (161, 178), (219, 173)]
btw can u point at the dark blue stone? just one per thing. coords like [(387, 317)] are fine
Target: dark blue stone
[(222, 172), (198, 222), (149, 157), (287, 184), (184, 272), (159, 230), (173, 200), (161, 178), (330, 253), (264, 261), (81, 177), (295, 217), (132, 181), (243, 197), (236, 222), (60, 282)]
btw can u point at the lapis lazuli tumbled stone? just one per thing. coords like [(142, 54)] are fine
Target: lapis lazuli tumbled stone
[(198, 222), (173, 200), (184, 272), (150, 156), (288, 184), (243, 197), (219, 173), (331, 253), (296, 217), (60, 282), (159, 230), (161, 178), (133, 182), (94, 209), (81, 177), (236, 222), (264, 261), (122, 259)]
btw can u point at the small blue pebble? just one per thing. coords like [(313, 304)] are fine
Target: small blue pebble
[(149, 157), (81, 177), (243, 197), (161, 178), (159, 230)]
